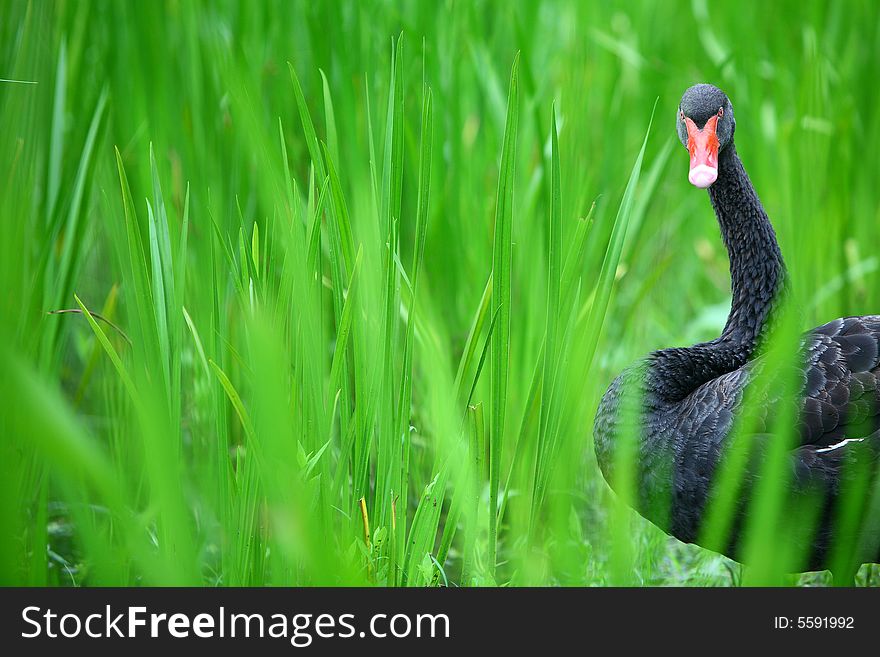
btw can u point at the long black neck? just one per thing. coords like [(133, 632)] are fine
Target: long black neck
[(757, 277)]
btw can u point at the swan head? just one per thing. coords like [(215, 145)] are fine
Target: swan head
[(705, 126)]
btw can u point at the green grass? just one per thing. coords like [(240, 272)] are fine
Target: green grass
[(361, 272)]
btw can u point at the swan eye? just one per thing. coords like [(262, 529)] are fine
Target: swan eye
[(720, 112), (681, 115)]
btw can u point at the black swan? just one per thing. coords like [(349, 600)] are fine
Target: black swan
[(691, 397)]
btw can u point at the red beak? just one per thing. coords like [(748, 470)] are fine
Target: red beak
[(703, 147)]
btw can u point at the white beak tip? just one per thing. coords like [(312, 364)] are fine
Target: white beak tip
[(703, 175)]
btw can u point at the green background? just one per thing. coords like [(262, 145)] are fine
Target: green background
[(281, 344)]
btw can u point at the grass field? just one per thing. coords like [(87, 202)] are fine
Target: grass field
[(362, 271)]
